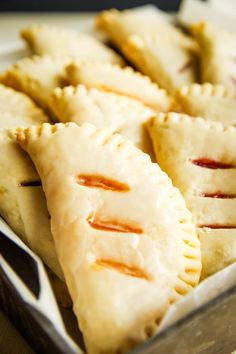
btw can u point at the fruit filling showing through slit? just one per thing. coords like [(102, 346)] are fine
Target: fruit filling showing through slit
[(219, 195), (110, 225), (30, 184), (211, 164), (96, 181), (217, 226), (186, 66), (123, 268)]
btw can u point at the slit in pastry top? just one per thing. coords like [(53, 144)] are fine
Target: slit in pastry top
[(211, 164), (96, 181), (113, 225), (123, 268), (35, 183), (217, 226), (186, 66), (218, 194)]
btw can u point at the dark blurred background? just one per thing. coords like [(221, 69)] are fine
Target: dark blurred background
[(82, 5)]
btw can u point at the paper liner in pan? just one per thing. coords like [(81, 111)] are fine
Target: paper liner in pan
[(202, 294), (25, 292)]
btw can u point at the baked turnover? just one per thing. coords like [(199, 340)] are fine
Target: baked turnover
[(199, 157), (113, 213), (37, 77), (119, 25), (209, 101), (22, 201), (121, 114), (153, 55), (154, 46), (217, 53), (62, 42), (18, 109), (124, 81)]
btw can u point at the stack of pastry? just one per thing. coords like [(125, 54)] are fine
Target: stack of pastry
[(79, 182)]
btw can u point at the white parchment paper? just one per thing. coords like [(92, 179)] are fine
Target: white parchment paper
[(202, 294)]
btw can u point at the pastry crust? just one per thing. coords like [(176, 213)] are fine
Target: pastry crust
[(119, 25), (199, 157), (22, 201), (218, 249), (36, 77), (104, 109), (18, 109), (109, 229), (153, 55), (218, 53), (125, 81), (208, 101), (61, 42), (151, 44)]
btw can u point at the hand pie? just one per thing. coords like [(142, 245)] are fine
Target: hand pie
[(168, 62), (103, 109), (36, 77), (18, 109), (22, 201), (208, 101), (218, 54), (23, 206), (151, 44), (113, 213), (61, 42), (199, 157), (125, 81), (119, 25)]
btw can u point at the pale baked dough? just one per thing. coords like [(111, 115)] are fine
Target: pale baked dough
[(18, 109), (218, 54), (113, 213), (124, 81), (61, 42), (36, 77), (120, 114), (199, 157), (208, 101), (168, 62), (218, 249), (22, 201), (119, 25), (23, 206), (155, 47)]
